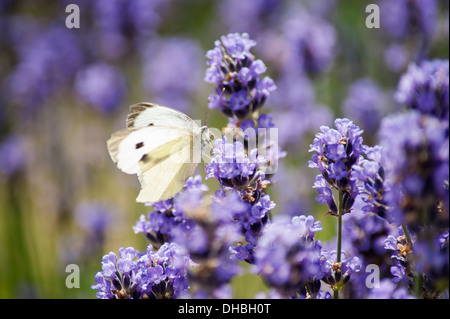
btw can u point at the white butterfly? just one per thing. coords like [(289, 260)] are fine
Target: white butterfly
[(158, 145)]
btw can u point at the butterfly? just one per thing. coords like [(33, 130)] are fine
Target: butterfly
[(160, 145)]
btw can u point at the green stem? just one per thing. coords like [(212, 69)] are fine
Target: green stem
[(406, 232), (339, 234)]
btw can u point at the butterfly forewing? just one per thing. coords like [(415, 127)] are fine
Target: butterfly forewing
[(149, 114)]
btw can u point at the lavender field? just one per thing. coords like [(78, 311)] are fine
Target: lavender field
[(354, 205)]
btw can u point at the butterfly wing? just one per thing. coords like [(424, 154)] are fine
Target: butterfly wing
[(148, 114), (127, 147), (165, 170), (157, 146)]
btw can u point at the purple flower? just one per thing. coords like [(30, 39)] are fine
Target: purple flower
[(238, 100), (389, 290), (415, 159), (390, 243), (425, 88), (158, 274), (232, 166), (238, 45), (13, 154), (311, 43), (178, 64), (365, 103), (403, 18), (398, 272), (265, 121), (120, 23), (337, 151), (236, 73), (169, 216), (49, 67), (93, 216), (208, 243), (249, 16), (337, 273), (101, 85), (371, 174), (288, 256)]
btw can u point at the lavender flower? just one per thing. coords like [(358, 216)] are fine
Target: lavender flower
[(310, 42), (389, 290), (120, 23), (425, 88), (167, 217), (336, 152), (251, 221), (432, 260), (208, 244), (43, 71), (236, 73), (94, 218), (365, 103), (232, 166), (249, 16), (416, 164), (363, 236), (240, 174), (101, 85), (403, 18), (174, 85), (371, 174), (337, 273), (13, 154), (153, 275), (288, 256)]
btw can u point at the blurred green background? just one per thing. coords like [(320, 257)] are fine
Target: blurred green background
[(64, 173)]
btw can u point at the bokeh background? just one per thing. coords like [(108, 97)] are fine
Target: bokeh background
[(64, 91)]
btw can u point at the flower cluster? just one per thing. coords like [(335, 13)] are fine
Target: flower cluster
[(416, 166), (236, 73), (337, 273), (363, 236), (239, 174), (311, 43), (337, 151), (288, 257), (424, 88), (402, 180), (417, 183), (160, 274), (166, 218), (410, 26), (102, 86), (236, 162), (208, 242), (371, 175), (365, 104), (170, 87)]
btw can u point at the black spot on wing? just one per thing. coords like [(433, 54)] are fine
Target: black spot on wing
[(139, 145), (144, 158)]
